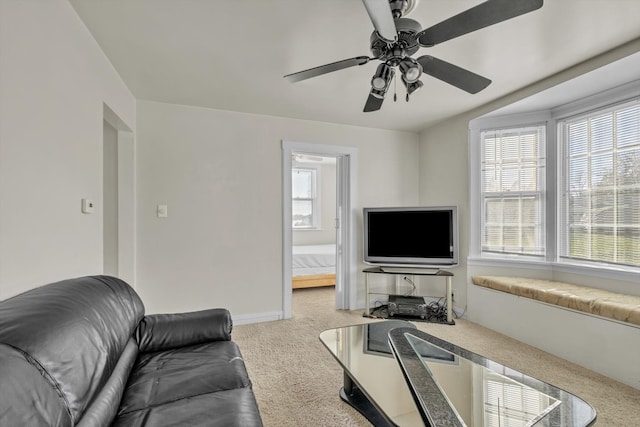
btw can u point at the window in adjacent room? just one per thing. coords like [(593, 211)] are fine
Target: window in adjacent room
[(513, 191), (600, 186), (305, 203)]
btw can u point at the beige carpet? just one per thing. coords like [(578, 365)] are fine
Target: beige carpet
[(296, 380)]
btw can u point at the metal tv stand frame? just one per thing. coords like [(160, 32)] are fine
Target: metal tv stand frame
[(408, 271)]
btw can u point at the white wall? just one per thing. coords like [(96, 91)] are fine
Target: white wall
[(444, 176), (54, 80), (444, 148), (444, 182), (220, 174), (110, 199)]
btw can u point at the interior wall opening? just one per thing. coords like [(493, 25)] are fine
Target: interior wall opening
[(344, 218), (314, 221), (118, 197), (110, 199)]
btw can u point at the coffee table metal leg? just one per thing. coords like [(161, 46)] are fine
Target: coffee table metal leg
[(351, 394)]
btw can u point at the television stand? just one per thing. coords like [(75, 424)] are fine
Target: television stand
[(408, 271)]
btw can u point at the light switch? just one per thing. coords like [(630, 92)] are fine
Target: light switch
[(162, 211), (88, 206)]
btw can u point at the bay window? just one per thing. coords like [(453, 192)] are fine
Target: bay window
[(560, 187)]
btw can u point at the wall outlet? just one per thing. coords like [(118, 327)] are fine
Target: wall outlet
[(88, 206), (453, 295), (162, 211)]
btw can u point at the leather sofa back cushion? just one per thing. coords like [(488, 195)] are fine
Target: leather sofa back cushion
[(73, 332), (166, 331), (26, 397)]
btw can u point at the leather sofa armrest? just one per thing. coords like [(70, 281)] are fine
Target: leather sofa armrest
[(166, 331)]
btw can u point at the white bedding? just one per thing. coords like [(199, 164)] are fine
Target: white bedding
[(313, 259)]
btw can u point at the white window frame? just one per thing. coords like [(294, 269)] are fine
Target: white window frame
[(614, 150), (540, 194), (316, 207), (475, 186), (551, 262)]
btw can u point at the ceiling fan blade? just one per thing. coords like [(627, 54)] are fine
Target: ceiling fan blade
[(327, 68), (382, 18), (452, 74), (483, 15), (374, 103)]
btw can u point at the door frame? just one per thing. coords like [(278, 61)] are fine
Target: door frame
[(346, 183), (125, 194)]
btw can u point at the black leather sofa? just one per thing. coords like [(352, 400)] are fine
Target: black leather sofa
[(81, 352)]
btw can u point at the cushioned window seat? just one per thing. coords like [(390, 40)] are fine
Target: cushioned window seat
[(598, 302)]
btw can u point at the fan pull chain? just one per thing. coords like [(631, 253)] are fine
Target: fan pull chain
[(395, 89)]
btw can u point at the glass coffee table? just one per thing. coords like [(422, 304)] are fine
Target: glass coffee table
[(397, 375)]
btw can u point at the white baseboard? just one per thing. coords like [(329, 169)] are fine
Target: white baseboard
[(245, 319), (608, 347)]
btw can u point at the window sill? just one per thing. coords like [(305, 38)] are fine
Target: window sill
[(629, 275)]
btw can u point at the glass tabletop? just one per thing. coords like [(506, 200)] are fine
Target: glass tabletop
[(364, 353), (454, 387)]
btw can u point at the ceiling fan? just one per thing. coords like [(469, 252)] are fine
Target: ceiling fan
[(396, 39)]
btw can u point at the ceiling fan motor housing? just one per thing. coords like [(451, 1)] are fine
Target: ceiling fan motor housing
[(406, 45)]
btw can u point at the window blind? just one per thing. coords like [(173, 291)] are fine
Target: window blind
[(513, 190), (510, 404), (600, 186)]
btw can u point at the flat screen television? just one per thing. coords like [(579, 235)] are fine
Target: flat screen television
[(416, 236)]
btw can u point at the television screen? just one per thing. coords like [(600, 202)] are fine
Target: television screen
[(421, 236), (376, 336), (376, 342)]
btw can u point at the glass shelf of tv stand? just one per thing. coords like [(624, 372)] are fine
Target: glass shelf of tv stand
[(408, 271)]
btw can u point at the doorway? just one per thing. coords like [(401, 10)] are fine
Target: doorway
[(109, 199), (346, 166), (314, 213), (118, 197)]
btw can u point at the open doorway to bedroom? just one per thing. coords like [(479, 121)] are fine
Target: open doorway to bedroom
[(322, 235), (314, 217)]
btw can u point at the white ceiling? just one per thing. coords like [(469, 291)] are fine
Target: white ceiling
[(232, 55)]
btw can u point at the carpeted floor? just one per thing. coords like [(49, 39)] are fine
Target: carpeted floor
[(296, 380)]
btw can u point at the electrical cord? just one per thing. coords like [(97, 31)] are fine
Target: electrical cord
[(413, 286), (459, 316), (437, 311)]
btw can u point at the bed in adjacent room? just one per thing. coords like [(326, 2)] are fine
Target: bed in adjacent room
[(313, 266)]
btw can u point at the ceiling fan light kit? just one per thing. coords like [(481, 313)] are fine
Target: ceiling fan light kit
[(396, 38), (411, 70), (382, 78)]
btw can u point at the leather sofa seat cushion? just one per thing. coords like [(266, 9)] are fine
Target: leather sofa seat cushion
[(228, 408), (169, 376)]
